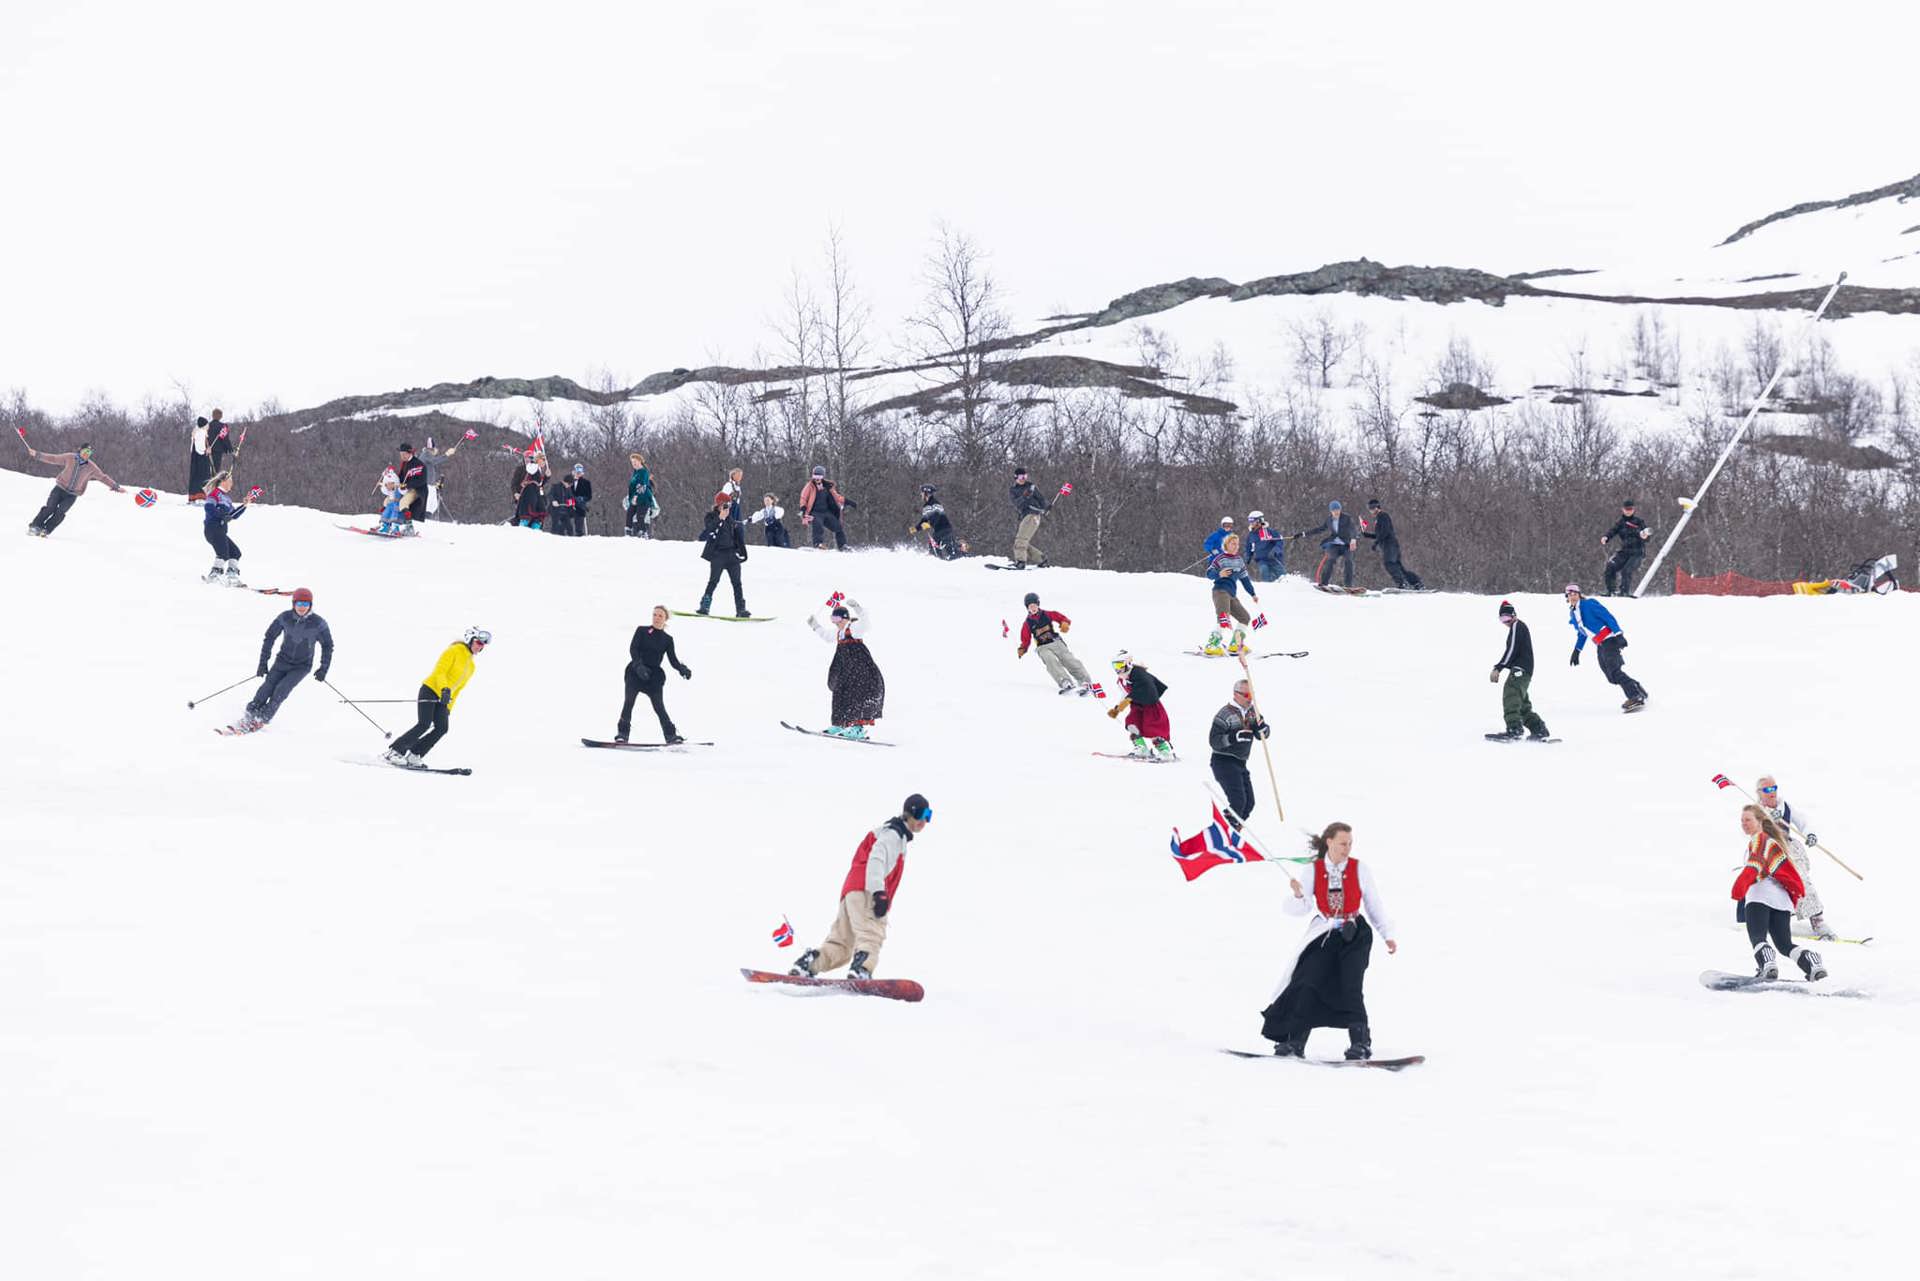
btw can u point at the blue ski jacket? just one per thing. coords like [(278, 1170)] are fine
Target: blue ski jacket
[(1590, 618)]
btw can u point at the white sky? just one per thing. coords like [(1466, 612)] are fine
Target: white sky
[(304, 201)]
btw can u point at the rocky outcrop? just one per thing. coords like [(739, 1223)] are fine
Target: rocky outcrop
[(1060, 373), (1364, 276), (1901, 191), (1155, 298)]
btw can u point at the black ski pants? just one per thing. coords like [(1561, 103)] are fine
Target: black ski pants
[(1329, 558), (637, 521), (1608, 652), (224, 548), (1764, 921), (429, 729), (730, 566), (273, 691), (1621, 567), (651, 681), (55, 510), (1400, 574), (1235, 780), (825, 518)]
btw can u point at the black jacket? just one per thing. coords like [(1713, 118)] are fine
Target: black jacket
[(1382, 532), (413, 476), (1519, 652), (723, 537), (1027, 501), (1223, 736), (1143, 687), (297, 637), (1627, 530), (1335, 528), (649, 646), (582, 493), (934, 516)]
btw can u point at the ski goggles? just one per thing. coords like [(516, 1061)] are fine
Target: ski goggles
[(303, 604), (925, 815), (1770, 791), (483, 638)]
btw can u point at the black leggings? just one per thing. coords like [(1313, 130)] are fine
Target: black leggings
[(652, 682), (1763, 921), (725, 563), (224, 547), (431, 727), (1237, 783)]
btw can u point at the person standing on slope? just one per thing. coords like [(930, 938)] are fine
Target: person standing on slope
[(1046, 629), (219, 442), (437, 694), (560, 505), (933, 522), (724, 547), (768, 518), (582, 499), (77, 471), (221, 511), (413, 488), (859, 690), (1266, 550), (821, 505), (1211, 543), (867, 895), (1588, 617), (1336, 547), (1801, 838), (641, 508), (1235, 727), (649, 653), (1387, 543), (530, 512), (299, 630), (1769, 888), (1226, 575), (1633, 534), (197, 462), (1517, 662), (1029, 505), (1326, 986), (1146, 722)]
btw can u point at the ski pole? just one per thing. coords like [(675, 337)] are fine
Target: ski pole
[(1279, 809), (1790, 827), (192, 703), (376, 702), (356, 707)]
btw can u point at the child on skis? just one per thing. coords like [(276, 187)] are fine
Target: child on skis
[(1146, 721), (1226, 575), (390, 518)]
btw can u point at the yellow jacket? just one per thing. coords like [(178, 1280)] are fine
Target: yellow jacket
[(452, 672)]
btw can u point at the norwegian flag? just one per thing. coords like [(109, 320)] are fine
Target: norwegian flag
[(1218, 844), (1722, 782), (783, 933), (539, 445), (471, 435), (1005, 631), (1066, 489), (255, 492)]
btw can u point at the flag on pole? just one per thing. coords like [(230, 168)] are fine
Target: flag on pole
[(1216, 845), (783, 933), (1722, 782), (539, 445), (1066, 489), (471, 434), (1005, 631)]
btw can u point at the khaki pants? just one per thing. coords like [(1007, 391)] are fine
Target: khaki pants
[(855, 929), (1226, 604), (1062, 665), (1023, 548)]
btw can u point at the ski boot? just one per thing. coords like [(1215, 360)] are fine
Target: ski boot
[(857, 971), (233, 574), (1810, 964), (803, 966), (855, 731), (215, 574), (1142, 748), (706, 606), (393, 756), (1766, 963), (1633, 704), (1359, 1042), (1084, 690), (1294, 1047), (1505, 735), (1215, 646), (1067, 688), (1237, 644), (1162, 749)]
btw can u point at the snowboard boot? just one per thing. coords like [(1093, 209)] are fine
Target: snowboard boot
[(1809, 963), (1141, 747), (1162, 749), (803, 967), (1066, 688), (215, 574), (1633, 704), (740, 609), (674, 738), (620, 735), (855, 731), (858, 971), (1294, 1047), (1766, 963), (706, 606), (1538, 735), (1504, 735), (1359, 1042)]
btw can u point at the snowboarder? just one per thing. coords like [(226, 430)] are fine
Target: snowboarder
[(867, 895), (1589, 617), (1266, 550), (1633, 534), (1387, 543), (220, 511), (859, 690), (646, 674), (1769, 888), (724, 547), (299, 630), (933, 522), (1226, 575), (1029, 504), (1212, 542), (582, 498), (1325, 986), (531, 510), (77, 471), (1517, 661), (413, 487), (437, 694), (1801, 839), (1235, 727), (821, 505), (1146, 721), (1047, 629), (197, 461), (640, 504), (769, 519), (1337, 546)]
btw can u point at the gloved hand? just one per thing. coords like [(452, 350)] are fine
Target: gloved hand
[(1115, 709), (321, 676), (1021, 652), (446, 696), (686, 673), (880, 904), (1493, 677), (1575, 660), (262, 671), (1262, 730), (741, 555)]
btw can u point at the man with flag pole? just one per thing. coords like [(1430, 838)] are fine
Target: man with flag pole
[(1235, 727)]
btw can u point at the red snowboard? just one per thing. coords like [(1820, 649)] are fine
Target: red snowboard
[(892, 989)]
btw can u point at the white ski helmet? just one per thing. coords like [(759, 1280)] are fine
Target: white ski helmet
[(1123, 661), (1253, 516), (480, 634)]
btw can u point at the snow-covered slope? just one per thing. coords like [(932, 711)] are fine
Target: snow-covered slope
[(267, 1013)]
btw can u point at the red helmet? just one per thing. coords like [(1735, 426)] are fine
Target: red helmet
[(302, 594)]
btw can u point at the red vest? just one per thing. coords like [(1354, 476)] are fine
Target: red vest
[(856, 881), (1350, 890)]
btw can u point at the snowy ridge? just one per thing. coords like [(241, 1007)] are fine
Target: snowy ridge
[(496, 1024)]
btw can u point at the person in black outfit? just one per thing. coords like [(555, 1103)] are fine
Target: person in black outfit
[(1235, 726), (1387, 543), (725, 550), (1517, 661), (582, 495), (219, 443), (1337, 545), (560, 504), (933, 522), (530, 512), (413, 478), (199, 467), (646, 675), (1633, 533), (298, 630)]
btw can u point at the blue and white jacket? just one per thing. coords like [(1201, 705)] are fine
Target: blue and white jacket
[(1590, 618)]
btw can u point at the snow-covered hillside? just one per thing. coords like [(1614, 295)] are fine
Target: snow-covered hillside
[(267, 1012)]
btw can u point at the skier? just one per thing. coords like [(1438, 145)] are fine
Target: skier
[(1047, 630), (859, 690), (582, 497), (1235, 726), (1769, 889), (1266, 550), (413, 487), (77, 471), (1146, 721), (390, 516), (934, 524), (1030, 505), (197, 468), (821, 505), (437, 694), (220, 511), (1337, 546), (1633, 534), (769, 518), (867, 895), (1387, 543), (1217, 537), (1801, 839), (1326, 984), (531, 510), (640, 504), (298, 630), (724, 548), (645, 674), (1226, 575), (1589, 617), (1517, 661)]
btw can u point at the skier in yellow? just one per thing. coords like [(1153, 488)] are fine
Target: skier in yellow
[(437, 694)]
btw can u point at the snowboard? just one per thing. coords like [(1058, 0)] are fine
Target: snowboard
[(722, 618), (1502, 738), (1144, 760), (1385, 1065), (1278, 653), (636, 747), (892, 989), (1408, 591), (1334, 590), (1721, 981), (820, 733), (1014, 565)]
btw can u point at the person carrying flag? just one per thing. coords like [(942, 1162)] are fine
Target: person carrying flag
[(77, 471), (867, 895), (1325, 985), (1046, 629), (1235, 727)]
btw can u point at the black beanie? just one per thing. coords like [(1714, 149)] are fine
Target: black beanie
[(916, 806), (1507, 610)]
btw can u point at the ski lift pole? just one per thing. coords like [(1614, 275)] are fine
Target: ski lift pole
[(1689, 505)]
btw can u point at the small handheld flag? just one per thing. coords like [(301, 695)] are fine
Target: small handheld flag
[(783, 933), (471, 434), (1722, 782), (1005, 631), (145, 498), (1066, 489)]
